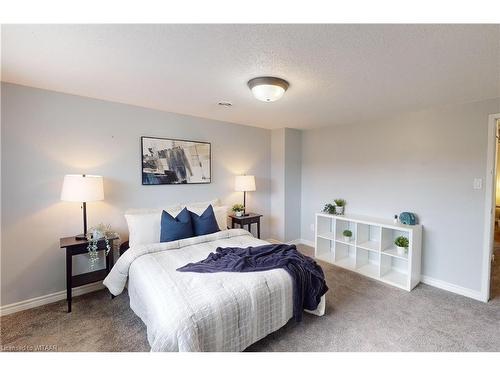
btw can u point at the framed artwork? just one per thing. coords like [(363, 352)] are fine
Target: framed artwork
[(168, 161)]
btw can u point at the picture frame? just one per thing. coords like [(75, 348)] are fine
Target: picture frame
[(172, 161)]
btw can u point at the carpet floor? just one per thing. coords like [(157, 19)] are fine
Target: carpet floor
[(361, 315)]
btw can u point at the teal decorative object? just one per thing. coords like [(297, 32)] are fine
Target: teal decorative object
[(408, 218)]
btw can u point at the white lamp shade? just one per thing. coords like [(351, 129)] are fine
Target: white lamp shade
[(79, 188), (244, 183)]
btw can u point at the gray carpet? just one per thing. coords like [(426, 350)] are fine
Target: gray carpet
[(361, 315)]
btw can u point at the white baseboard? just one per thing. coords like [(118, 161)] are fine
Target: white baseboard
[(293, 242), (305, 242), (49, 298), (272, 240), (466, 292)]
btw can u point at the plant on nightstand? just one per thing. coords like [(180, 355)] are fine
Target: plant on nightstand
[(402, 244), (101, 232), (238, 209), (339, 206), (347, 235)]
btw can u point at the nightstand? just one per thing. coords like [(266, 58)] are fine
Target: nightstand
[(248, 220), (74, 247)]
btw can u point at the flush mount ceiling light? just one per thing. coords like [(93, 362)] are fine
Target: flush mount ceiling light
[(268, 89)]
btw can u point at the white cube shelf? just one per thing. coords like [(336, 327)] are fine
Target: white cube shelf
[(371, 251)]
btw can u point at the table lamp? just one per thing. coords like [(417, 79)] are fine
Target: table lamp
[(82, 188), (244, 184)]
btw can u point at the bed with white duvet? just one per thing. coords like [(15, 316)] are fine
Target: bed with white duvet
[(185, 311)]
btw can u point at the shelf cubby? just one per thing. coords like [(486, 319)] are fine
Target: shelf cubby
[(367, 262), (371, 250), (394, 270), (325, 228), (324, 249), (345, 255), (368, 236)]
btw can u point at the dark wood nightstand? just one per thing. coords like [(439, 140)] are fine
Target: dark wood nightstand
[(250, 219), (75, 247)]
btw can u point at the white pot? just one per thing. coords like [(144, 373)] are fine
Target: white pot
[(347, 239), (238, 213), (339, 210), (401, 250)]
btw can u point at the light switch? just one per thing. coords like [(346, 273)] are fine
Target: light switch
[(478, 184)]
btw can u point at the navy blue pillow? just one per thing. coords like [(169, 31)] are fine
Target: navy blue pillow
[(177, 228), (205, 223)]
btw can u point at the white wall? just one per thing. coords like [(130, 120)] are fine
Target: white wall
[(421, 162), (46, 135)]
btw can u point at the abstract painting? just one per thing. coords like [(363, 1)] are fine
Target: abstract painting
[(174, 161)]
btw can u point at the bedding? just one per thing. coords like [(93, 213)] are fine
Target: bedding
[(308, 279), (206, 223), (176, 228), (202, 312), (144, 225)]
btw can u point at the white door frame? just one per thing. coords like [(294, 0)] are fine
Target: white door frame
[(489, 207)]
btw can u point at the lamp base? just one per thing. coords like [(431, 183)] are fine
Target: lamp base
[(80, 237)]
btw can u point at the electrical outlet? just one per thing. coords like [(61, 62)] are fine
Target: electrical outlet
[(477, 184), (311, 226)]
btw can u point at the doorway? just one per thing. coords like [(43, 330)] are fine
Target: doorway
[(495, 258), (490, 286)]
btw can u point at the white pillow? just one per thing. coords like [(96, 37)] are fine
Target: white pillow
[(221, 216), (201, 205), (144, 224)]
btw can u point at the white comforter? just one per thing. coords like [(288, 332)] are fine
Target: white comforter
[(186, 311)]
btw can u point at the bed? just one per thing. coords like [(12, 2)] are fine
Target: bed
[(202, 312)]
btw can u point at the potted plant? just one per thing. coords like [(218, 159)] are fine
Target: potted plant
[(329, 209), (347, 235), (339, 206), (238, 209), (101, 232), (402, 244)]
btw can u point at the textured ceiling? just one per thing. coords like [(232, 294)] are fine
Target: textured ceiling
[(338, 73)]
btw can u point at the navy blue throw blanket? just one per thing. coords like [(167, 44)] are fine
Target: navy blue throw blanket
[(308, 279)]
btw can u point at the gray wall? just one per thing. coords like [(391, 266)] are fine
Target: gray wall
[(286, 173), (277, 227), (293, 176), (422, 162), (46, 135)]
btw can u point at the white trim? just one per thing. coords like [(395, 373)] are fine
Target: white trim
[(489, 212), (272, 240), (471, 293), (293, 242), (305, 242), (49, 298)]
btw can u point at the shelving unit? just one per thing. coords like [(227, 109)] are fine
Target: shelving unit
[(371, 251)]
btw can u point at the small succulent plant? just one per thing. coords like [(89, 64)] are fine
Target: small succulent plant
[(402, 241)]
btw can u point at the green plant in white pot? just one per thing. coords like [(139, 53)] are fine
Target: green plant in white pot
[(339, 206), (238, 209), (402, 244), (347, 235)]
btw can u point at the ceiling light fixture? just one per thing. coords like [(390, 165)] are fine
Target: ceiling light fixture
[(268, 89)]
